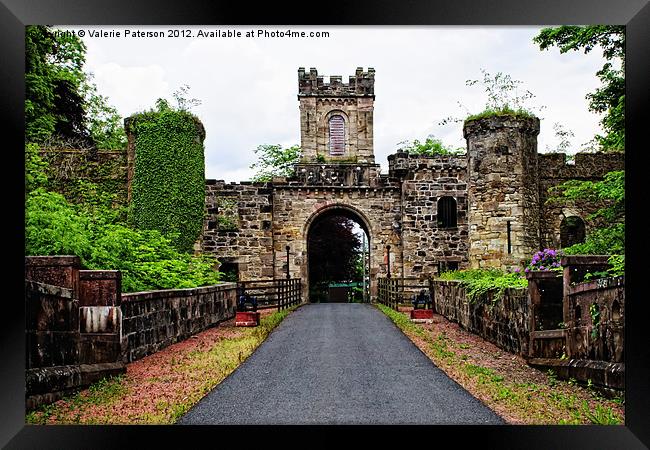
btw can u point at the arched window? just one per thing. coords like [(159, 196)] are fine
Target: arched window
[(447, 212), (337, 135), (572, 231)]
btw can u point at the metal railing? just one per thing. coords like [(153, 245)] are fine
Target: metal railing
[(394, 292), (281, 293)]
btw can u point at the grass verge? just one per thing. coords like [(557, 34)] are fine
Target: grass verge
[(518, 398), (164, 388)]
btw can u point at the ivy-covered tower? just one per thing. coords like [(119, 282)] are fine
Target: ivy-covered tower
[(336, 118)]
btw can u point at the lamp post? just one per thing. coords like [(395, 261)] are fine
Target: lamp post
[(288, 276), (388, 259)]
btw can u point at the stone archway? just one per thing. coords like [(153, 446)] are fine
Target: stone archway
[(329, 211)]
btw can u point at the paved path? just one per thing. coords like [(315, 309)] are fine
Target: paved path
[(338, 364)]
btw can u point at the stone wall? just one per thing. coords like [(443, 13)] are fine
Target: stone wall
[(598, 334), (68, 346), (504, 322), (295, 208), (554, 170), (238, 226), (107, 168), (424, 180), (154, 320), (81, 328)]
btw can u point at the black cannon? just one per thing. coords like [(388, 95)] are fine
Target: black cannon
[(423, 298), (245, 302)]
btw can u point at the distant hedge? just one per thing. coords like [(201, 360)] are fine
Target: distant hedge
[(168, 185)]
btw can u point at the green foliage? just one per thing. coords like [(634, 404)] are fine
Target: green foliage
[(479, 282), (227, 214), (601, 415), (147, 259), (594, 312), (168, 189), (34, 169), (94, 230), (602, 241), (617, 263), (499, 112), (275, 161), (610, 97), (105, 125), (61, 102), (609, 238), (610, 189), (430, 147)]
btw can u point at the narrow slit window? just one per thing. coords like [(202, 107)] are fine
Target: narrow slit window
[(337, 135), (447, 216)]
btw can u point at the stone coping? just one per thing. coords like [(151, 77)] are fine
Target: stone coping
[(166, 293), (58, 260), (596, 285)]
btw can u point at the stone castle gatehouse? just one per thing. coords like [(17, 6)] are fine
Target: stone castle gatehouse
[(482, 209)]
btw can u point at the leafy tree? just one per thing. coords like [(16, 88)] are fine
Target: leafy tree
[(431, 146), (609, 99), (275, 161), (61, 103), (39, 86)]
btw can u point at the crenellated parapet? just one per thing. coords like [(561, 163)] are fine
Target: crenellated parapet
[(583, 166), (410, 166), (361, 84)]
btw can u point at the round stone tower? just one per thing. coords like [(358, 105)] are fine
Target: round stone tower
[(503, 195)]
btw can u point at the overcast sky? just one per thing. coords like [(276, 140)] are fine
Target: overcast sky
[(248, 86)]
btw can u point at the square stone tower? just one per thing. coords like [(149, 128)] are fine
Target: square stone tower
[(336, 118)]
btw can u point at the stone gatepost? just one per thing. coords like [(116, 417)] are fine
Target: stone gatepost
[(503, 194)]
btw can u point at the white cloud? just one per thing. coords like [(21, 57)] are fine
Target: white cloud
[(248, 86), (131, 89)]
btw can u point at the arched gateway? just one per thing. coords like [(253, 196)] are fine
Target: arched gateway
[(483, 209)]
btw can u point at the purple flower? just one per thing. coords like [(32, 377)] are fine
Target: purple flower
[(541, 268), (527, 270), (517, 270)]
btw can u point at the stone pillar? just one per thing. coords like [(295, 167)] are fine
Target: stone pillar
[(503, 190), (55, 270)]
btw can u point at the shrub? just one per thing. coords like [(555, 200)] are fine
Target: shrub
[(478, 282), (546, 260)]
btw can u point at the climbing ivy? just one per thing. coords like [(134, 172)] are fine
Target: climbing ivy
[(168, 186)]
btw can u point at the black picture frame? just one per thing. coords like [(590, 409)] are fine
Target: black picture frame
[(15, 14)]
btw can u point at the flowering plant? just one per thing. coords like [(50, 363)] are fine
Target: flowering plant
[(545, 260)]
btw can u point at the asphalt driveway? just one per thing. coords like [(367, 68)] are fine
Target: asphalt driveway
[(338, 363)]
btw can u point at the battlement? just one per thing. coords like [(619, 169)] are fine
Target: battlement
[(585, 165), (401, 164), (361, 84)]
